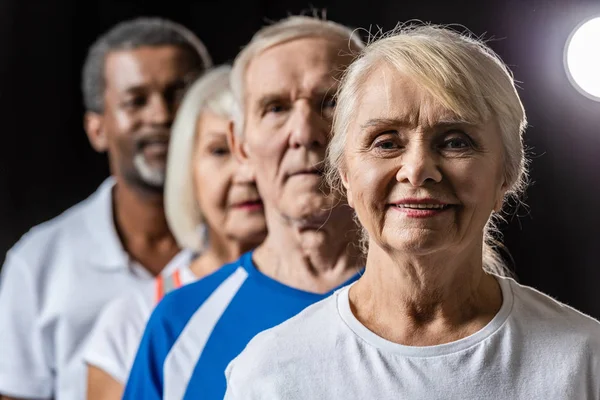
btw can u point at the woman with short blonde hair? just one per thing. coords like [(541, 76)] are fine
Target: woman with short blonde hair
[(427, 145)]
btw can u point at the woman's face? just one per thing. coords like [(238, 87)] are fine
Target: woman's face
[(420, 179), (228, 199)]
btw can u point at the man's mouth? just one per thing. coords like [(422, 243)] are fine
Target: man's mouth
[(308, 172), (155, 149)]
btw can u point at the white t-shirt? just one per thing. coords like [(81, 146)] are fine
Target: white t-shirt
[(55, 281), (118, 331), (534, 348)]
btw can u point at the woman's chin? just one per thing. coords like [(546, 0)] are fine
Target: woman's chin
[(422, 244)]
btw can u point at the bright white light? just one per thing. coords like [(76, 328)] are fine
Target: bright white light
[(582, 58)]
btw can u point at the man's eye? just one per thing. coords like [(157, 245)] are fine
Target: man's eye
[(134, 102), (329, 103), (275, 108), (175, 95)]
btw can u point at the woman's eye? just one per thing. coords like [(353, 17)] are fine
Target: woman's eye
[(387, 143), (219, 151), (457, 143)]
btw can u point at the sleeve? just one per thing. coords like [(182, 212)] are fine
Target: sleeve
[(116, 335), (146, 377), (241, 382), (25, 370), (232, 390)]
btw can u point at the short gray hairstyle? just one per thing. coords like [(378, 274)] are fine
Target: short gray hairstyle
[(465, 76), (286, 30), (211, 93), (133, 34)]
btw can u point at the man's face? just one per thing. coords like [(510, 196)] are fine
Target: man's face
[(289, 106), (143, 91)]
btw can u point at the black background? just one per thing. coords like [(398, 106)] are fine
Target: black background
[(46, 163)]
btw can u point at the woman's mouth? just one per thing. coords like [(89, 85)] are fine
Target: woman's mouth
[(420, 208), (423, 206), (249, 205)]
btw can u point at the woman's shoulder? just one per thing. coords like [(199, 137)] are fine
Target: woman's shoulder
[(288, 343), (540, 310)]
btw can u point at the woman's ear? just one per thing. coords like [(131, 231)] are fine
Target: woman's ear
[(498, 205), (344, 179), (500, 200)]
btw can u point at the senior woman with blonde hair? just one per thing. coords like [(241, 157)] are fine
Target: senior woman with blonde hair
[(427, 144), (213, 210)]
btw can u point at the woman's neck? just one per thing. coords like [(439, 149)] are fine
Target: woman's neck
[(314, 260), (220, 251), (425, 300)]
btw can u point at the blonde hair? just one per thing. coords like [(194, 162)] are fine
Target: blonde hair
[(286, 30), (211, 92), (460, 72)]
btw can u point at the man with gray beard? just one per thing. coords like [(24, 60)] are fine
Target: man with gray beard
[(59, 275)]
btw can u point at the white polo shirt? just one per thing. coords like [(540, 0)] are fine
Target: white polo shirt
[(54, 283)]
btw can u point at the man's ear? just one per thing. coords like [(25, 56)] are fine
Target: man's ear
[(346, 184), (236, 144), (93, 124)]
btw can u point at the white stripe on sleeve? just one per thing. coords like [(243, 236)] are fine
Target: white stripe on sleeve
[(185, 353)]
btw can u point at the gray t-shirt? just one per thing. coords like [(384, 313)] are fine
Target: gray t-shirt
[(534, 348)]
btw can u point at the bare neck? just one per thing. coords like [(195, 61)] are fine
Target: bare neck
[(142, 227), (221, 250), (314, 260), (425, 300)]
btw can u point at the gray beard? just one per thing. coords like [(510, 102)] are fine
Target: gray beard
[(149, 175)]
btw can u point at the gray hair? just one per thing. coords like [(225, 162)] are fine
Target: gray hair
[(131, 35), (286, 30), (466, 77), (211, 93)]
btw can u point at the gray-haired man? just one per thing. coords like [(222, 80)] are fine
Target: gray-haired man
[(60, 274)]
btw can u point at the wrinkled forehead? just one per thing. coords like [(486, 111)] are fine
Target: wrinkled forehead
[(389, 93), (211, 126), (300, 66)]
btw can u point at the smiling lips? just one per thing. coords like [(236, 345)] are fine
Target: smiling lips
[(420, 208), (155, 149), (423, 206), (154, 146)]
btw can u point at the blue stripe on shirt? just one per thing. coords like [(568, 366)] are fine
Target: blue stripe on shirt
[(258, 304)]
